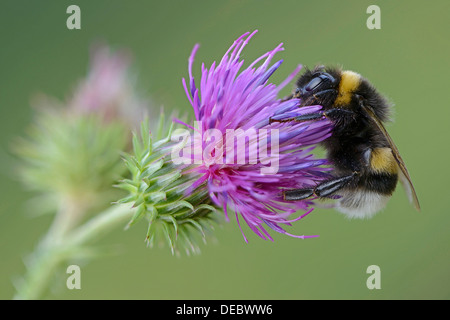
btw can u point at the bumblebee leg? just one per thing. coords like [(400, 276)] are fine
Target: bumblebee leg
[(322, 93), (329, 187), (325, 91), (298, 194), (289, 97), (324, 190), (305, 117), (330, 113)]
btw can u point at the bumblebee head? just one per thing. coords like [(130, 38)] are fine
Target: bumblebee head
[(318, 86)]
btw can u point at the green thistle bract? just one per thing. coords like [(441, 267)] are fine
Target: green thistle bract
[(157, 191)]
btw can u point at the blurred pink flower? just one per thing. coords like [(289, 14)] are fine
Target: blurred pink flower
[(109, 88)]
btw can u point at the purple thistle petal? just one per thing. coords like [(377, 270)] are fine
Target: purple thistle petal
[(269, 73), (190, 63), (183, 123), (290, 77), (197, 183), (304, 165), (239, 224), (300, 217), (189, 97)]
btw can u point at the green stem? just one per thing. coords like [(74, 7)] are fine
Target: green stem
[(68, 216), (49, 255), (100, 224)]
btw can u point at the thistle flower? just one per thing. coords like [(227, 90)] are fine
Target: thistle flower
[(71, 158), (179, 181), (72, 155), (229, 99)]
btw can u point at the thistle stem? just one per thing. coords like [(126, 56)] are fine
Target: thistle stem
[(118, 215), (51, 254), (67, 217)]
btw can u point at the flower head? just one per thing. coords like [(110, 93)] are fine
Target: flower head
[(238, 104), (72, 152), (235, 159)]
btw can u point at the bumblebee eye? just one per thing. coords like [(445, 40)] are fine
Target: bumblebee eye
[(313, 84)]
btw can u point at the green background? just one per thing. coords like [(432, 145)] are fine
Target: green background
[(407, 60)]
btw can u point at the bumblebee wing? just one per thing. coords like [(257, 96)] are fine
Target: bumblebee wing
[(405, 179)]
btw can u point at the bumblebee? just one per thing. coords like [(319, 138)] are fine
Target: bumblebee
[(367, 164)]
